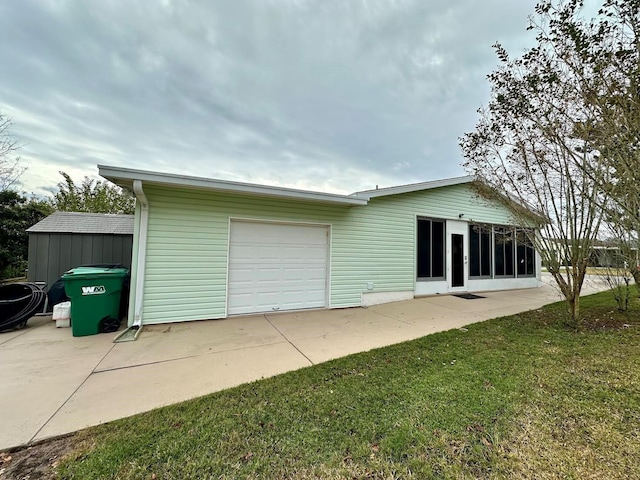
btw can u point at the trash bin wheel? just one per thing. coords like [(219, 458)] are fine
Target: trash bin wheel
[(109, 324)]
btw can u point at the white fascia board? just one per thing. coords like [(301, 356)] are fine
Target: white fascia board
[(412, 187), (124, 177)]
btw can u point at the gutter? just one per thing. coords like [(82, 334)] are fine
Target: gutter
[(132, 332)]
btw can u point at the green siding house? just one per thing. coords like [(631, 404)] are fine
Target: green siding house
[(206, 248)]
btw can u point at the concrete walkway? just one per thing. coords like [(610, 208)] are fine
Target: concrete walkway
[(52, 383)]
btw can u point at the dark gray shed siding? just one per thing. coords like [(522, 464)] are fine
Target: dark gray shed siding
[(65, 240), (52, 254)]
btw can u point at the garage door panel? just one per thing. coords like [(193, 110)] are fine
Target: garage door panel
[(241, 301), (294, 274), (316, 274), (267, 297), (266, 275), (294, 303), (276, 267), (241, 275), (269, 252), (241, 252)]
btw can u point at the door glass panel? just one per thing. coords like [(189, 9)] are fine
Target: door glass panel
[(457, 260)]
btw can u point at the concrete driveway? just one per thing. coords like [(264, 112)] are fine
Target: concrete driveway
[(53, 383)]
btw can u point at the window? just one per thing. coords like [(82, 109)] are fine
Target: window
[(480, 250), (431, 248), (503, 243), (525, 253)]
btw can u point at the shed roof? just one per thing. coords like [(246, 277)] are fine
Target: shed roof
[(89, 223)]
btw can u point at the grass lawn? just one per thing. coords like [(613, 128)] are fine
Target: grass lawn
[(514, 397)]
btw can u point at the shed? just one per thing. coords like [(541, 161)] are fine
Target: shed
[(65, 240)]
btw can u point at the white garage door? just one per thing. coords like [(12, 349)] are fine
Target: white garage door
[(276, 267)]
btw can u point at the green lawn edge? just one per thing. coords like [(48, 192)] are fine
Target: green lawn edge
[(514, 397)]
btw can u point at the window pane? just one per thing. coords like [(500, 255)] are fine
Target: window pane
[(525, 253), (499, 251), (424, 248), (485, 252), (508, 253), (531, 255), (437, 249), (474, 250), (522, 257), (530, 268), (521, 252)]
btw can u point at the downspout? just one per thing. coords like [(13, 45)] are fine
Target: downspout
[(131, 333), (142, 251)]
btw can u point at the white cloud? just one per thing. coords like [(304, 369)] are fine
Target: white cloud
[(332, 95)]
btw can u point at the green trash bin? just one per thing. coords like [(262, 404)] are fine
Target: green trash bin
[(95, 296)]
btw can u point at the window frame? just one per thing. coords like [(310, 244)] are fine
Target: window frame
[(444, 249), (506, 229), (488, 230), (528, 246)]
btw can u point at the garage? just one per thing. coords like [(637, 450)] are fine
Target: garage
[(274, 267)]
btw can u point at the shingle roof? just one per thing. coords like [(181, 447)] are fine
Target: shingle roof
[(90, 223)]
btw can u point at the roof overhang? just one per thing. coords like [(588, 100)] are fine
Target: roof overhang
[(412, 187), (124, 177)]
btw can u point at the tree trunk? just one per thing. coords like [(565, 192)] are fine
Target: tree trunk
[(571, 293), (636, 277), (573, 309)]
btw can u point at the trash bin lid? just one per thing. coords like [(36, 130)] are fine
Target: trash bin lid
[(95, 271)]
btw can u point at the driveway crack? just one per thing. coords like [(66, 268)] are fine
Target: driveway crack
[(289, 341)]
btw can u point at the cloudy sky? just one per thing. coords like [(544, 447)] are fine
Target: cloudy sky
[(330, 95)]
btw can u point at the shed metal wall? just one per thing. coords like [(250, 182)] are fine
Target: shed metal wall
[(187, 248), (52, 254)]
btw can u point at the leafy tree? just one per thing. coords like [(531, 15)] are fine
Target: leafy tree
[(10, 169), (91, 196), (540, 142), (17, 213)]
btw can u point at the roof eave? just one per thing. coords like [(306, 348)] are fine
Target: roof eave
[(124, 177), (413, 187)]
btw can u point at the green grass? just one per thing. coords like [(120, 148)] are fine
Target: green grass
[(514, 397)]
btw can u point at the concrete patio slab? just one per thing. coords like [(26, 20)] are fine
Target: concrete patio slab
[(34, 322), (188, 339), (312, 324), (48, 344), (421, 309), (139, 389), (54, 383), (32, 391)]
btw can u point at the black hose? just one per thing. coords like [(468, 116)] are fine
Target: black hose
[(35, 296)]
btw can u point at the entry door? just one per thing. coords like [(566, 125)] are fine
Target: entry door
[(457, 260), (275, 267)]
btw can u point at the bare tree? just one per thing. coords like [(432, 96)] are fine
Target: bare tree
[(10, 168), (533, 150)]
